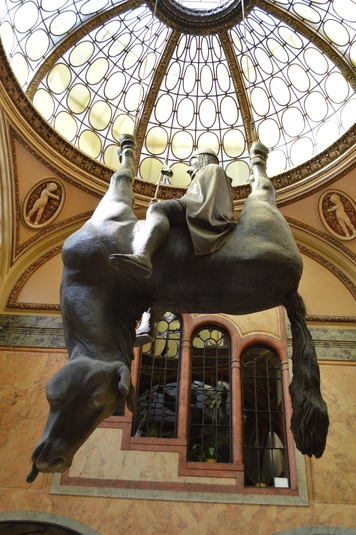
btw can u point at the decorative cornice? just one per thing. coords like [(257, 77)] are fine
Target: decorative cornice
[(200, 22), (12, 301), (331, 319)]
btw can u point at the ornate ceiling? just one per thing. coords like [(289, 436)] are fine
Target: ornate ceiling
[(182, 78)]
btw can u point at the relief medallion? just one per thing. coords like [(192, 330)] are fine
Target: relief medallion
[(42, 203), (337, 211)]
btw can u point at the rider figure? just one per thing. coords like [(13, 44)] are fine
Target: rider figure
[(207, 208)]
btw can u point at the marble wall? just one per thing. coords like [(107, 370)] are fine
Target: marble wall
[(331, 480)]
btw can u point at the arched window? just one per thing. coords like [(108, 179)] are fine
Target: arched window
[(209, 436), (264, 430), (158, 379)]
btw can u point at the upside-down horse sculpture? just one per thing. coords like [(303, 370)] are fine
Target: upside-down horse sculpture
[(260, 266)]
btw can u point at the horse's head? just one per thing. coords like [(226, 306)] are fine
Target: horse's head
[(81, 395)]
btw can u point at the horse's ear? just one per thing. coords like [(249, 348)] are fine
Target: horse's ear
[(131, 399)]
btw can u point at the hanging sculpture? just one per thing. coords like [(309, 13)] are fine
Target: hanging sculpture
[(101, 301)]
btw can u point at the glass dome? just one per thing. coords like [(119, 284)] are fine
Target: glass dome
[(182, 75)]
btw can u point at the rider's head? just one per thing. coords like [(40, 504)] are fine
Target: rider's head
[(200, 158)]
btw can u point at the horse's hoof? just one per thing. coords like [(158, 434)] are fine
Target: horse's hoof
[(130, 264)]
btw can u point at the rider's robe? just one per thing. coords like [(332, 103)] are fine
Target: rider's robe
[(210, 209)]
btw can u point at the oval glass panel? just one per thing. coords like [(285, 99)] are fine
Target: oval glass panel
[(132, 56), (26, 17), (280, 91), (257, 27), (290, 37), (100, 115), (301, 151), (185, 112), (236, 40), (248, 36), (97, 71), (172, 75), (142, 22), (156, 140), (81, 53), (216, 46), (66, 125), (93, 6), (239, 172), (7, 36), (337, 87), (78, 98), (268, 132), (114, 85), (133, 97), (223, 77), (37, 45), (181, 45), (193, 48), (123, 124), (316, 106), (162, 37), (135, 13), (336, 32), (229, 110), (119, 45), (58, 78), (20, 67), (189, 79), (180, 178), (147, 65), (44, 103), (299, 78), (353, 54), (150, 169), (277, 50), (327, 134), (293, 121), (263, 60), (63, 23), (346, 9), (206, 79), (107, 31), (111, 158), (276, 162), (209, 139), (266, 18), (207, 113), (234, 143), (90, 143), (182, 145), (260, 101), (204, 48), (348, 114), (164, 108), (316, 61), (306, 12), (52, 5), (248, 69)]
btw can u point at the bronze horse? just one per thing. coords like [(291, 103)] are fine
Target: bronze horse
[(260, 268)]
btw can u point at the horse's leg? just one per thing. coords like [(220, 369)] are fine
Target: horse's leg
[(260, 183), (310, 419), (118, 201)]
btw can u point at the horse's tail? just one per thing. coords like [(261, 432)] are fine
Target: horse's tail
[(310, 419)]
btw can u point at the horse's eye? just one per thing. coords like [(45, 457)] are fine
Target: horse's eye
[(98, 399)]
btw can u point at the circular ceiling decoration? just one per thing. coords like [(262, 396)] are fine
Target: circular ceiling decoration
[(183, 77)]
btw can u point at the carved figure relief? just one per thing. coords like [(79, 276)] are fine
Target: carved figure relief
[(338, 213), (43, 203)]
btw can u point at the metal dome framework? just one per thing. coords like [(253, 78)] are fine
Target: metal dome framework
[(182, 78)]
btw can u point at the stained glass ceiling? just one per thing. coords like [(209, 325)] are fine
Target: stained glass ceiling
[(98, 68)]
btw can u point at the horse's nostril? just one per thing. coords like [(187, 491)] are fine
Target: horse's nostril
[(57, 462)]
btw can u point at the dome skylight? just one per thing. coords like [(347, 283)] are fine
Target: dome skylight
[(97, 69)]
